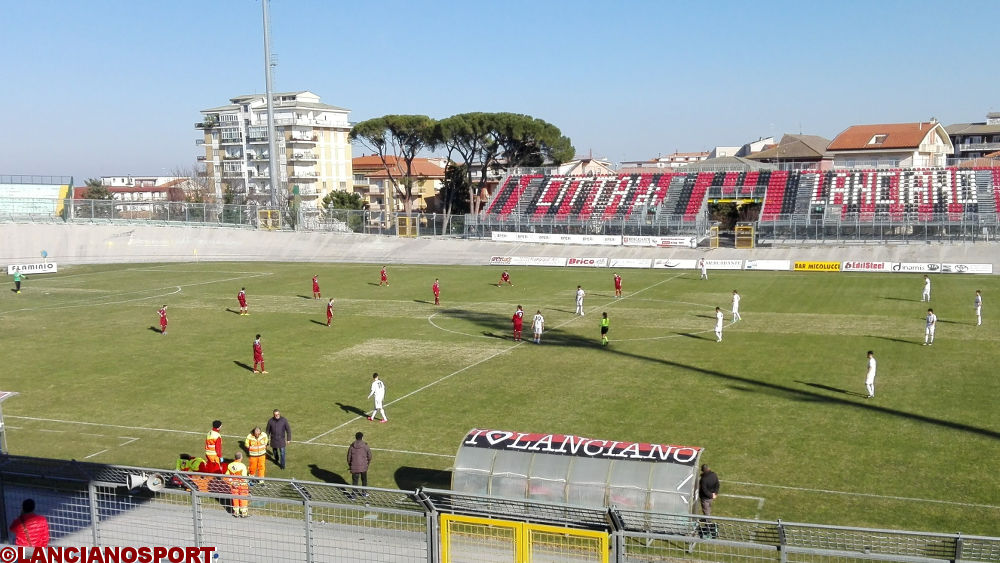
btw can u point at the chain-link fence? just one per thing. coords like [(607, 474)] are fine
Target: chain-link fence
[(101, 505), (648, 224), (833, 225)]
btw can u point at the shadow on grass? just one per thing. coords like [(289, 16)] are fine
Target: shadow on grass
[(495, 335), (952, 322), (320, 323), (242, 365), (555, 337), (351, 409), (900, 299), (326, 475), (412, 478), (373, 283), (694, 336), (830, 388), (233, 311), (156, 330), (891, 339), (305, 296), (424, 301)]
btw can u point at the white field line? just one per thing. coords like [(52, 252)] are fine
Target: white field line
[(867, 495), (419, 389), (760, 503), (96, 303), (94, 454), (168, 430), (451, 456), (454, 373)]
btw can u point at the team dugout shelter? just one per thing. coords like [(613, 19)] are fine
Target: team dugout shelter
[(579, 471)]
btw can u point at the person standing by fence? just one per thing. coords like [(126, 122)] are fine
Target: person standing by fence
[(359, 456), (236, 479), (256, 444), (708, 489), (30, 529), (213, 443), (17, 281), (279, 433)]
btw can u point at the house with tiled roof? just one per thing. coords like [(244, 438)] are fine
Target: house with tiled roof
[(975, 140), (922, 144), (373, 181), (800, 152)]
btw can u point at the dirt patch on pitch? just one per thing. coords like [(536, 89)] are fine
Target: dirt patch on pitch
[(403, 348)]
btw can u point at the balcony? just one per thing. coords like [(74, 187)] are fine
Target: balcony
[(309, 138), (231, 141), (200, 158), (303, 156), (978, 147), (228, 156), (302, 174)]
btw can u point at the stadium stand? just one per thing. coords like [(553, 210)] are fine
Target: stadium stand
[(945, 195)]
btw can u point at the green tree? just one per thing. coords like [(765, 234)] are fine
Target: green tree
[(499, 141), (96, 190), (338, 199), (455, 190), (401, 137)]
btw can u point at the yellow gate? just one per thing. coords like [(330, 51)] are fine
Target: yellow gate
[(407, 226), (713, 236), (269, 219), (469, 539), (744, 235)]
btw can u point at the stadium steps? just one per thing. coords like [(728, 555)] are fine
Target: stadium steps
[(985, 191), (807, 184), (529, 194)]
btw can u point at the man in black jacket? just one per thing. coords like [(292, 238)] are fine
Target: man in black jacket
[(280, 433), (708, 489)]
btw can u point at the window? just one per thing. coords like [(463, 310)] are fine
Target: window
[(877, 139)]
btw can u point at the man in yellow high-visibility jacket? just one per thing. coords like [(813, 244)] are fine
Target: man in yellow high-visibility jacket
[(213, 443), (236, 475), (256, 444)]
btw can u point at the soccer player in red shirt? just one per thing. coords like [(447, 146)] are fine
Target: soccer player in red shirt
[(163, 319), (258, 355), (383, 277), (436, 288), (242, 298), (517, 320), (329, 312), (316, 294), (618, 285), (504, 278)]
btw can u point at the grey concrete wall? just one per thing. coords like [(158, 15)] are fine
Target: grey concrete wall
[(100, 244)]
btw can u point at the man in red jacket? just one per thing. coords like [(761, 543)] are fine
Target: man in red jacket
[(30, 529)]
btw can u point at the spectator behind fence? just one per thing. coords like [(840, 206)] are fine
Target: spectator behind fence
[(30, 529)]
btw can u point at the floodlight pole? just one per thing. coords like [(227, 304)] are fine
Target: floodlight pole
[(271, 141)]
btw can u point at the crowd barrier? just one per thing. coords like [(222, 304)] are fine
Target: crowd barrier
[(96, 505)]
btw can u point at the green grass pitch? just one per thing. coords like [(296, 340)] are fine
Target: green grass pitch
[(778, 405)]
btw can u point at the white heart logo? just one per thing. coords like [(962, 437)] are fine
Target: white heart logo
[(496, 436)]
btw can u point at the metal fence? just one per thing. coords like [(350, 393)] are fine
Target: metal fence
[(649, 224), (92, 505), (41, 210), (882, 227)]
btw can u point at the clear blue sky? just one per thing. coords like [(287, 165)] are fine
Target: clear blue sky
[(114, 87)]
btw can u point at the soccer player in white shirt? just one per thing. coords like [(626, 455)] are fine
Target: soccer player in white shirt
[(703, 268), (870, 376), (931, 325), (579, 300), (979, 307), (926, 296), (718, 324), (378, 391), (537, 325), (736, 306)]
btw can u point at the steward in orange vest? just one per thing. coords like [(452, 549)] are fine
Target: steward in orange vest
[(256, 444), (238, 486), (213, 443)]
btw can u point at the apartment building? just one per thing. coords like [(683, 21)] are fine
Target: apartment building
[(976, 140), (314, 153)]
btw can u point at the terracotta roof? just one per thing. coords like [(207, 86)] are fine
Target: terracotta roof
[(794, 147), (371, 166), (897, 136)]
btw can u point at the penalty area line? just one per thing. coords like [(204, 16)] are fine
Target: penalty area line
[(868, 495), (417, 390)]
